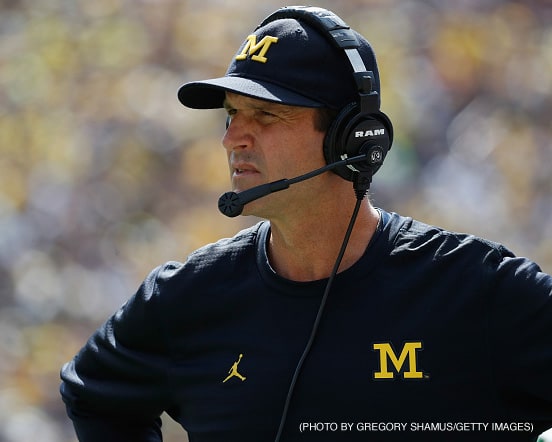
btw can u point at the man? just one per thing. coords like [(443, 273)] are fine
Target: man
[(333, 320)]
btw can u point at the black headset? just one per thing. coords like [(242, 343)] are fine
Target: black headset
[(360, 127)]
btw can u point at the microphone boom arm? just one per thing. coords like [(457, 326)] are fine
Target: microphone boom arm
[(231, 204)]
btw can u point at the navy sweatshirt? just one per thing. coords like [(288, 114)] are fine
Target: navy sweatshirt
[(428, 333)]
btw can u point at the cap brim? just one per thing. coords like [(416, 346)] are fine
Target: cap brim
[(210, 94)]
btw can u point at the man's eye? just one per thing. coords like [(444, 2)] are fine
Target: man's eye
[(266, 116)]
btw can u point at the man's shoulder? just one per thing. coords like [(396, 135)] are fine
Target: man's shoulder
[(228, 248), (410, 234), (222, 254)]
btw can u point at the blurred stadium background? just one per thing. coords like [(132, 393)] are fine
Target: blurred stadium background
[(104, 175)]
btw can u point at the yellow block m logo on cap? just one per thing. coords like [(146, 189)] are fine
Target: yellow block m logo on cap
[(405, 363), (252, 47)]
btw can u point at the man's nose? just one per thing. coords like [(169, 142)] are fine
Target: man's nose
[(237, 135)]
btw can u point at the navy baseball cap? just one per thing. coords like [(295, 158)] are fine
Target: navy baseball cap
[(286, 61)]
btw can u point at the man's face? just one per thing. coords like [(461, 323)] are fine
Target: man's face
[(266, 142)]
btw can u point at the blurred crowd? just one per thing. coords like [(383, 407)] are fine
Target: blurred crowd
[(105, 175)]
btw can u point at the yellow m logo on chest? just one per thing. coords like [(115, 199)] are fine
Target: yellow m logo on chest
[(408, 357), (252, 48)]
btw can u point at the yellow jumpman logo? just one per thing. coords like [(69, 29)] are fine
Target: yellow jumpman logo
[(234, 370)]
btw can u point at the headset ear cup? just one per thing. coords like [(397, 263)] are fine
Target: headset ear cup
[(332, 140), (353, 133)]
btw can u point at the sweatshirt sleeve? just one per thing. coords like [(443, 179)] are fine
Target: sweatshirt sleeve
[(116, 387), (522, 336)]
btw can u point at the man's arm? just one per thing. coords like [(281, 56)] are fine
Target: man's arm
[(522, 333), (116, 387)]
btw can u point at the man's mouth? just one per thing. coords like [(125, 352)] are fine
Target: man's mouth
[(240, 170)]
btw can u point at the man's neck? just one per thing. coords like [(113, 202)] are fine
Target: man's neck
[(307, 250)]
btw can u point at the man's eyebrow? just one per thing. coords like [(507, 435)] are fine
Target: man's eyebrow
[(260, 106)]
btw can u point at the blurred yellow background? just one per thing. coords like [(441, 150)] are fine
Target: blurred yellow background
[(104, 175)]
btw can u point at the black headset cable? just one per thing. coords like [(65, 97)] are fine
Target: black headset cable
[(361, 185)]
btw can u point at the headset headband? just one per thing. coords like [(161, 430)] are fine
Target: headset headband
[(341, 36)]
